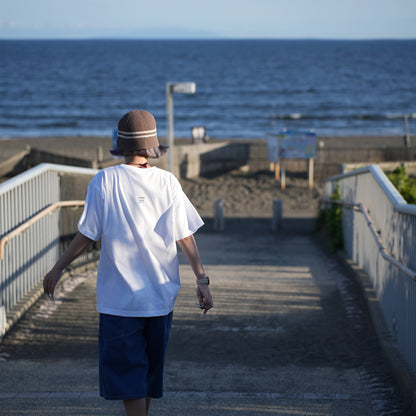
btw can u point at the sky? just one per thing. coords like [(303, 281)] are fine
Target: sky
[(239, 19)]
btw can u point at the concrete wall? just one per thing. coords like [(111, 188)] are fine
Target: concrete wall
[(205, 159), (193, 160), (384, 166), (15, 164)]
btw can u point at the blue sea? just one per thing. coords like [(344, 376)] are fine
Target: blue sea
[(244, 88)]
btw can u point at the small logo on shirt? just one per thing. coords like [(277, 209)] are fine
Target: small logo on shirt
[(140, 199)]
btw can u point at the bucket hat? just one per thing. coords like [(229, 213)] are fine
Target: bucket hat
[(137, 130)]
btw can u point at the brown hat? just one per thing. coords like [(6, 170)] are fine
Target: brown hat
[(136, 131)]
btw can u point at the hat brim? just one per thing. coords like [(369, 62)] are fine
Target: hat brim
[(116, 152), (154, 153)]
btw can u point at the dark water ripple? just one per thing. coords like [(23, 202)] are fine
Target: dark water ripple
[(244, 88)]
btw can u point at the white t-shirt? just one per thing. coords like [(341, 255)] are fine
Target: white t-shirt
[(139, 214)]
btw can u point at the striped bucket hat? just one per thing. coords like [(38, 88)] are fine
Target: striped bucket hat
[(137, 131)]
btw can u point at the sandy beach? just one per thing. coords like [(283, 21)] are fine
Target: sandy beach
[(252, 195)]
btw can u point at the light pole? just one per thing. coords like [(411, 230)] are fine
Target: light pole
[(179, 88)]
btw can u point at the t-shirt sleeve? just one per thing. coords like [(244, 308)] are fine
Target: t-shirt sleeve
[(186, 217), (91, 222)]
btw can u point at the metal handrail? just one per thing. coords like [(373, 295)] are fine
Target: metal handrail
[(27, 224), (361, 208), (391, 192)]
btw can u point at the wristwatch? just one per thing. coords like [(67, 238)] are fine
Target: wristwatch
[(203, 280)]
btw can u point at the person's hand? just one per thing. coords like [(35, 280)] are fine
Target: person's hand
[(204, 297), (50, 281)]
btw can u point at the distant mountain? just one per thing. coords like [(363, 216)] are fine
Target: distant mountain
[(106, 33)]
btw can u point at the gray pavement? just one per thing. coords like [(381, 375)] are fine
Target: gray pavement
[(289, 335)]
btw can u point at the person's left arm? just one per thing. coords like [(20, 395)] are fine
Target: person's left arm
[(190, 249), (75, 248)]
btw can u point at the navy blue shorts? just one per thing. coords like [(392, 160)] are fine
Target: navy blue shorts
[(131, 356)]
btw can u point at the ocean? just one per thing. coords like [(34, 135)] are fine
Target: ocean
[(244, 88)]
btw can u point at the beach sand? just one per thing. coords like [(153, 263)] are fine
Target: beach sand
[(252, 195)]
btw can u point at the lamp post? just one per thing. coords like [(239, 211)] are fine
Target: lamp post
[(179, 88)]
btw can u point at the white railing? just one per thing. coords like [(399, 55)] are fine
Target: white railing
[(29, 230), (381, 238)]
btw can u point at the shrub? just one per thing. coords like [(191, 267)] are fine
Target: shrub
[(404, 184), (331, 220), (334, 222)]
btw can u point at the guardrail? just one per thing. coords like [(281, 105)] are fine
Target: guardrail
[(27, 224), (383, 251), (381, 238), (30, 229)]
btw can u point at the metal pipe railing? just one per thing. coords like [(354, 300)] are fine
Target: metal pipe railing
[(30, 230), (361, 208), (27, 224), (385, 249)]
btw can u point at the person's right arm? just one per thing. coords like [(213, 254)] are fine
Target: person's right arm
[(75, 248)]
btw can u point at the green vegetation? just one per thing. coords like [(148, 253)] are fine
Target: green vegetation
[(331, 220), (405, 185)]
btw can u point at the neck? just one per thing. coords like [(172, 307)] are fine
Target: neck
[(135, 160)]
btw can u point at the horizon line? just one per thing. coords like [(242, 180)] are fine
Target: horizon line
[(219, 38)]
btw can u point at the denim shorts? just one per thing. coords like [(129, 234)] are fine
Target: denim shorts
[(131, 356)]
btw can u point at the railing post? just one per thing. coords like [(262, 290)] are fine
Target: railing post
[(310, 173), (283, 175), (406, 127), (277, 215), (100, 154), (219, 222)]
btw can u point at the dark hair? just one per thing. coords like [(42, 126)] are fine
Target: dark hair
[(154, 153)]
